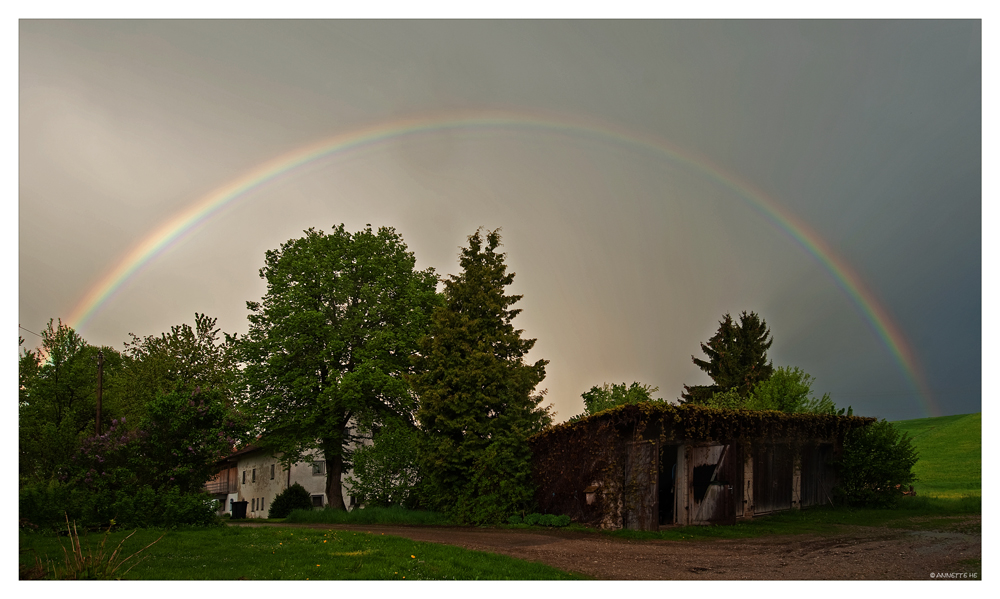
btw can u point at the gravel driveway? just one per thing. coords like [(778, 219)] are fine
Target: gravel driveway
[(865, 553)]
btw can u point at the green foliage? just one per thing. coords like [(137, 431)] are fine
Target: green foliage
[(788, 390), (876, 463), (130, 506), (187, 358), (477, 395), (294, 497), (330, 341), (540, 520), (385, 472), (500, 483), (57, 400), (605, 397), (737, 358), (152, 474)]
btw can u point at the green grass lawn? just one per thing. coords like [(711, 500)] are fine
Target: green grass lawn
[(950, 451), (276, 553)]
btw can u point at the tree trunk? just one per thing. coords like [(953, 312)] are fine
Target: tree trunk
[(334, 466)]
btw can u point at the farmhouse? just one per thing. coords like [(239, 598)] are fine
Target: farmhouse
[(255, 476), (655, 464)]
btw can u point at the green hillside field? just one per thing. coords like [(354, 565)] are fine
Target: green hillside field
[(950, 450)]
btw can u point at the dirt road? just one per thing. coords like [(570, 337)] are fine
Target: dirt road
[(865, 553)]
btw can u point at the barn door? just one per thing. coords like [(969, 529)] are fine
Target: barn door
[(772, 478), (714, 473), (641, 509)]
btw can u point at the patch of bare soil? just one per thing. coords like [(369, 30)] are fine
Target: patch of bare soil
[(863, 554)]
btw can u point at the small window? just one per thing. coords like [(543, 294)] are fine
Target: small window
[(244, 477), (317, 500), (319, 468), (272, 471), (253, 475)]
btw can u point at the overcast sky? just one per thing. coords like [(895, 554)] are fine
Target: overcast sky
[(636, 180)]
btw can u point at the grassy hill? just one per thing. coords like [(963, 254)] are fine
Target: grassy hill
[(950, 449)]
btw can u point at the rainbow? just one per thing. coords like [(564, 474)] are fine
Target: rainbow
[(196, 214)]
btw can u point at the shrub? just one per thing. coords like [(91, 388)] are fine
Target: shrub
[(385, 473), (540, 520), (876, 460), (294, 497)]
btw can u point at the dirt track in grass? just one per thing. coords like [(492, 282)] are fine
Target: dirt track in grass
[(862, 553)]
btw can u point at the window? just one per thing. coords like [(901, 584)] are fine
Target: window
[(317, 500), (244, 477), (272, 471), (253, 475), (319, 468)]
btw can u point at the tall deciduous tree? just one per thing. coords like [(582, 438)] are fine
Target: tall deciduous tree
[(478, 402), (737, 358), (331, 340)]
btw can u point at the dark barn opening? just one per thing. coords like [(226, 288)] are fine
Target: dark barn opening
[(668, 482)]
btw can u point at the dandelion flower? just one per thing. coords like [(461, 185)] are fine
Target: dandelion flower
[(413, 556)]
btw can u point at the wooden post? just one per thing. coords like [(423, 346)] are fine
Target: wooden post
[(797, 480), (100, 380)]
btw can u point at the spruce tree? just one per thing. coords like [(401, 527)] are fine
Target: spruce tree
[(737, 358), (477, 395)]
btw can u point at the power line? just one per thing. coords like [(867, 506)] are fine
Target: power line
[(32, 332)]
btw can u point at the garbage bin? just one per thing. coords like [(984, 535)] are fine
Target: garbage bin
[(239, 509)]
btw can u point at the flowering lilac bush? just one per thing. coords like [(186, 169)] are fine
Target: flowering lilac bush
[(150, 475)]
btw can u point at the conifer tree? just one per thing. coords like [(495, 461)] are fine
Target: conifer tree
[(477, 395), (737, 358)]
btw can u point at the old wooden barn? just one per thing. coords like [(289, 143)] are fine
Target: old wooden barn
[(655, 464)]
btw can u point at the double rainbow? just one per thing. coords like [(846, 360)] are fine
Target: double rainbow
[(185, 221)]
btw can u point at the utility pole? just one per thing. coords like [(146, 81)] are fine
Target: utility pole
[(100, 380)]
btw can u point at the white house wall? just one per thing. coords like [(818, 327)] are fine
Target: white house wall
[(258, 488)]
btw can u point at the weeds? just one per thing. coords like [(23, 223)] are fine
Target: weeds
[(78, 566)]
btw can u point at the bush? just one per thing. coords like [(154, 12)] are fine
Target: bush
[(385, 473), (540, 520), (294, 497), (877, 462), (44, 505)]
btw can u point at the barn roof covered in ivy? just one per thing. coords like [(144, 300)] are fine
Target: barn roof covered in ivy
[(690, 422)]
